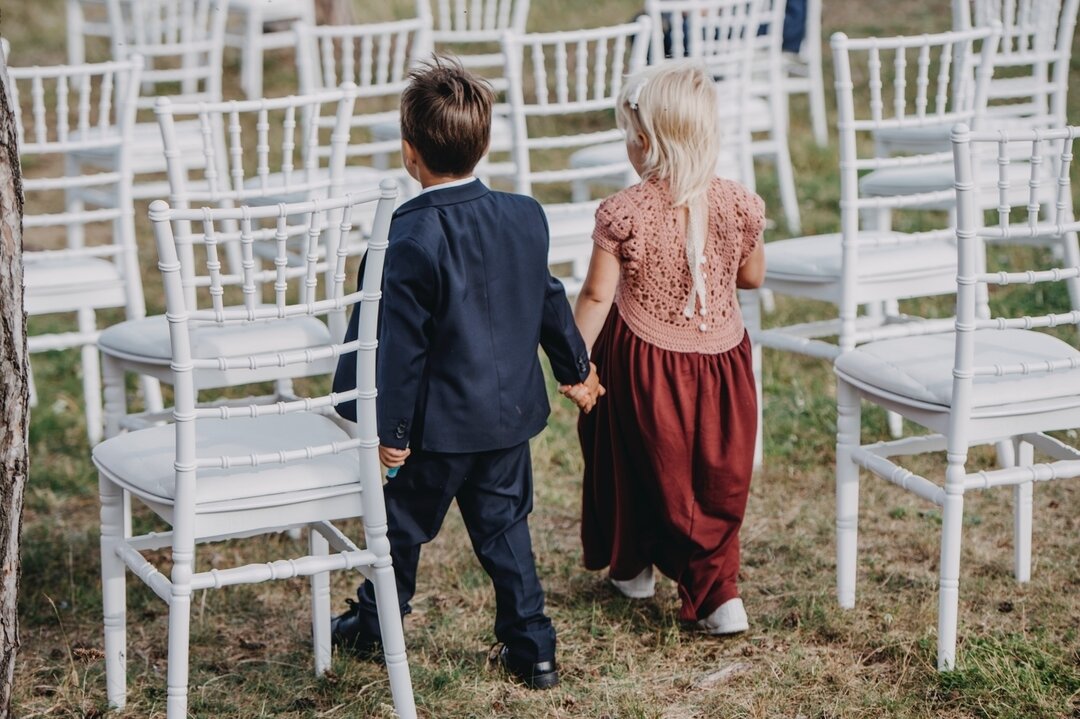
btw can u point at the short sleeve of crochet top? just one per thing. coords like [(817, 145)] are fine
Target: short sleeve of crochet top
[(648, 236)]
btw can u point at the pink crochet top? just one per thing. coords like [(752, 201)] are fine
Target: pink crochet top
[(640, 227)]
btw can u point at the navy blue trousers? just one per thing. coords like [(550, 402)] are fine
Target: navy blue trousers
[(494, 493)]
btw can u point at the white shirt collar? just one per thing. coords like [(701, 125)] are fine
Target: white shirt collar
[(448, 185)]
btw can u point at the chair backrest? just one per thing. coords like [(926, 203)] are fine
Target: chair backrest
[(258, 152), (377, 58), (563, 87), (63, 110), (293, 298), (1030, 84), (181, 40), (1040, 219), (472, 30), (87, 20), (902, 83), (723, 35)]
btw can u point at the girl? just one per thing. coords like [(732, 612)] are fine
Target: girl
[(668, 455)]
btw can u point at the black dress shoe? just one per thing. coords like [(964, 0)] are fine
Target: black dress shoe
[(347, 634), (534, 675)]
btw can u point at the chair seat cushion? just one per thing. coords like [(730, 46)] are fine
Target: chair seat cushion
[(921, 139), (939, 177), (149, 337), (607, 153), (142, 461), (147, 153), (70, 284), (146, 342), (920, 368), (817, 258), (893, 181)]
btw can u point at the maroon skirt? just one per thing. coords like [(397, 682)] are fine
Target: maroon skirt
[(668, 451)]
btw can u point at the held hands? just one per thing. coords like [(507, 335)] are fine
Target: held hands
[(584, 394), (392, 456)]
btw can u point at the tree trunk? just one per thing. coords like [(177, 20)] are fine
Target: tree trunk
[(14, 397), (334, 12)]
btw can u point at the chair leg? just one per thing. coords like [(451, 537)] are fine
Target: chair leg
[(1023, 495), (151, 389), (786, 178), (949, 581), (251, 55), (393, 639), (768, 300), (750, 302), (114, 393), (320, 604), (896, 424), (817, 102), (91, 366), (179, 633), (113, 593), (848, 424), (1071, 253)]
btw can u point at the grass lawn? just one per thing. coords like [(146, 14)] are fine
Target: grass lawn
[(804, 657)]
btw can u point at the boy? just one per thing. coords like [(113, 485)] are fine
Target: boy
[(467, 298)]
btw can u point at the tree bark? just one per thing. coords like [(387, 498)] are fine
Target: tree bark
[(14, 396), (334, 12)]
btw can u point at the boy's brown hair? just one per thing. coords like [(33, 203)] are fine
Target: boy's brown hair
[(446, 115)]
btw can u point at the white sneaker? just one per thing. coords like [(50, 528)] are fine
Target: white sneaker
[(728, 618), (642, 586)]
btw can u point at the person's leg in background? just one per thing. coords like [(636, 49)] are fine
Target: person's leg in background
[(794, 25)]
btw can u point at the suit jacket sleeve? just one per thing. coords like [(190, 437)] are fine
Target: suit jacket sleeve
[(345, 374), (560, 338), (410, 289)]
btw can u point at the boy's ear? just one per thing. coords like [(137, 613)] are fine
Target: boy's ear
[(408, 152)]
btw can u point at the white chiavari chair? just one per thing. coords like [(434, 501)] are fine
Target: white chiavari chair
[(559, 81), (376, 58), (1028, 89), (261, 25), (251, 470), (992, 378), (252, 152), (863, 265), (471, 31), (181, 41), (722, 38), (78, 259)]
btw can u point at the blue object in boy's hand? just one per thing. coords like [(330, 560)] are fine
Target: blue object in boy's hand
[(392, 472)]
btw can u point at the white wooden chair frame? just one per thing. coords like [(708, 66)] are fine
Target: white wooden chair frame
[(183, 454), (302, 168), (592, 88), (100, 98), (252, 39), (853, 288), (959, 419)]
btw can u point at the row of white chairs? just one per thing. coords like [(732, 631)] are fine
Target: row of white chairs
[(247, 466)]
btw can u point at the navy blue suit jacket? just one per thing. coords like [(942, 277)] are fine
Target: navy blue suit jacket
[(467, 299)]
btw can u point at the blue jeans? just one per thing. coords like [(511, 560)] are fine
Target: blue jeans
[(793, 33)]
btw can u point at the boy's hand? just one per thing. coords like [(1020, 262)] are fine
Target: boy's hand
[(584, 394), (392, 456)]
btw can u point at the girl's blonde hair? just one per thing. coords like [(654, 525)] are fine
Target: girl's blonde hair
[(674, 106)]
